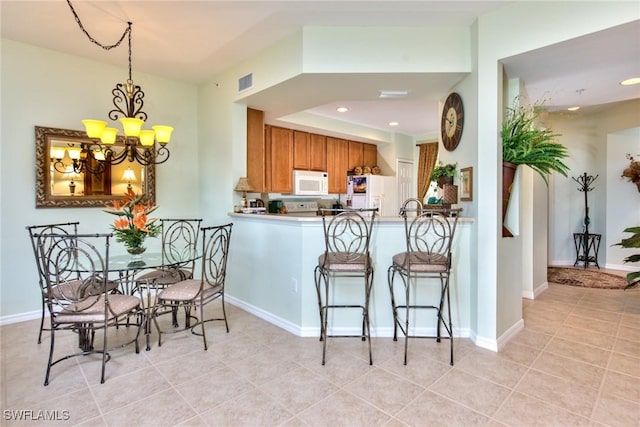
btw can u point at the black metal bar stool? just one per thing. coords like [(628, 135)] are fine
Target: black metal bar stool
[(428, 234), (347, 234)]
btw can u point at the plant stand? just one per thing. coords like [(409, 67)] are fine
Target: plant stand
[(587, 247), (586, 244)]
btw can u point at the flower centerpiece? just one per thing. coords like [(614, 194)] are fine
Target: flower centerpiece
[(133, 224), (632, 172)]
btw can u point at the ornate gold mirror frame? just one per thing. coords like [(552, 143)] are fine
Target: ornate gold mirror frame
[(57, 187)]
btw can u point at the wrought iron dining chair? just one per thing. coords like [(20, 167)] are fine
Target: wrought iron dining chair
[(60, 228), (179, 237), (194, 294), (429, 235), (347, 235), (75, 270)]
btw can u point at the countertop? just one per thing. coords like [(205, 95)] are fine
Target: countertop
[(293, 218)]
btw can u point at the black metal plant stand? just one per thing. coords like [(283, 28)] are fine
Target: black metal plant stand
[(586, 244)]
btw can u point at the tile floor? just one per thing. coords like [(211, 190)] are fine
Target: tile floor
[(577, 362)]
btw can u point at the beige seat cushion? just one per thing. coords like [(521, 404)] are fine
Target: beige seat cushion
[(91, 310), (187, 290), (69, 290), (422, 262), (338, 262), (165, 277)]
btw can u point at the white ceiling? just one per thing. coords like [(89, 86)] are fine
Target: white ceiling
[(193, 40)]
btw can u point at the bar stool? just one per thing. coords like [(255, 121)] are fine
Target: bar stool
[(428, 237), (347, 234)]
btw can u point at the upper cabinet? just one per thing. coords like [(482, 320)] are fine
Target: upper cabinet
[(369, 155), (274, 152), (317, 152), (256, 172), (355, 154), (301, 150), (309, 151), (338, 164), (280, 164)]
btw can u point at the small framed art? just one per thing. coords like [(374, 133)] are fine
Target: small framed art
[(466, 184)]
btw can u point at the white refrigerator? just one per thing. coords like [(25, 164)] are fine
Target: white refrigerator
[(372, 191)]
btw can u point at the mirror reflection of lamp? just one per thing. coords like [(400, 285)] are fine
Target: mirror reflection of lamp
[(129, 176), (243, 185), (71, 176)]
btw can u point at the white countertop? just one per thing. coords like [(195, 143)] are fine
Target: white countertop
[(315, 219)]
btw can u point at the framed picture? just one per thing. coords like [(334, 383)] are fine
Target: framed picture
[(466, 184)]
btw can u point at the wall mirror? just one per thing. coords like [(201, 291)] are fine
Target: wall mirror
[(57, 185)]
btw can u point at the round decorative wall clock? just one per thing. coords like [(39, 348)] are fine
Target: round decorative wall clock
[(452, 121)]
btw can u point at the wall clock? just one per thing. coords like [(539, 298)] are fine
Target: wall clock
[(452, 121)]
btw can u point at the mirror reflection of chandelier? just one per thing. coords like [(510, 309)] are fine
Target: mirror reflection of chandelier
[(145, 146)]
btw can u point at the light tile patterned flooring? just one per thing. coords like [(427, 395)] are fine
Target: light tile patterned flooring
[(577, 362)]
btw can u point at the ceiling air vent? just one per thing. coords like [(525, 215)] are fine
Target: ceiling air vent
[(245, 82)]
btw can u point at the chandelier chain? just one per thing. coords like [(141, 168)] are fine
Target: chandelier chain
[(127, 32)]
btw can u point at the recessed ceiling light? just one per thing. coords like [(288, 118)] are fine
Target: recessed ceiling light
[(573, 108), (393, 123), (632, 81), (392, 93), (342, 109)]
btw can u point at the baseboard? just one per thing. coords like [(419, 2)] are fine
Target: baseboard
[(21, 317), (314, 331), (621, 267), (536, 292), (483, 342), (510, 333)]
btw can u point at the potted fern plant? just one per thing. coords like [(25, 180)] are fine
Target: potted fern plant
[(525, 143), (443, 174)]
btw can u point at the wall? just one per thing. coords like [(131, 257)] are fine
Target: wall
[(46, 88), (623, 198), (501, 34), (590, 140)]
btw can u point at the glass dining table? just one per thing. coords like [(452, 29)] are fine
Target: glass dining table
[(130, 272)]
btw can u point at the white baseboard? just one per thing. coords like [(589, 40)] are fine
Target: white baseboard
[(510, 333), (622, 267), (386, 332), (496, 345), (536, 292), (21, 317)]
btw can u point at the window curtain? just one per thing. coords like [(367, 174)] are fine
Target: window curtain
[(426, 164)]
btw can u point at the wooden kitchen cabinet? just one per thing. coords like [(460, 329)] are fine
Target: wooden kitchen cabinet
[(301, 150), (280, 159), (337, 164), (317, 152), (369, 155), (309, 151), (256, 165), (355, 155)]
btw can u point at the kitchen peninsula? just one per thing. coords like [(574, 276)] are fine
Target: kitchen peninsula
[(271, 274)]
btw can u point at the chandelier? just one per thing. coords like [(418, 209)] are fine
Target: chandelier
[(145, 146)]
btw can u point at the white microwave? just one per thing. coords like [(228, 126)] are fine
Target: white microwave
[(310, 183)]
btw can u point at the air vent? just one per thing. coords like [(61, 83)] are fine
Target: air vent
[(392, 93), (245, 82)]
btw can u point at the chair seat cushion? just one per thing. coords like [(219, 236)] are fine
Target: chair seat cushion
[(91, 310), (342, 261), (70, 290), (185, 290), (421, 262), (164, 277)]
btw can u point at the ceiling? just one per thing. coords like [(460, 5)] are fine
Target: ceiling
[(193, 40)]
